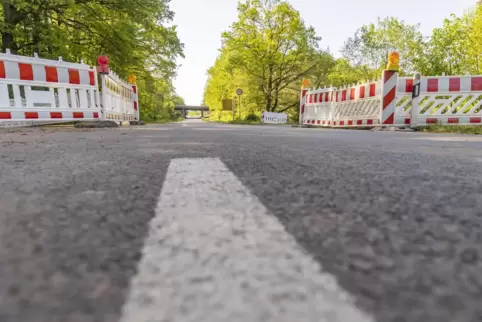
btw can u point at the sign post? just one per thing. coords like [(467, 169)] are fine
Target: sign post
[(239, 91)]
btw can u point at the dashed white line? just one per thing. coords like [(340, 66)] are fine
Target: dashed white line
[(214, 253)]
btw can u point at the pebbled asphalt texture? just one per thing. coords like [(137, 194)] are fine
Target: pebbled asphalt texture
[(396, 218)]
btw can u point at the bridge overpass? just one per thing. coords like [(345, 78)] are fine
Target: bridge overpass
[(185, 108)]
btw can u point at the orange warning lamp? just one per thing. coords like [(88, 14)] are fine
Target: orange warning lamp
[(306, 83), (132, 79), (393, 62), (103, 65)]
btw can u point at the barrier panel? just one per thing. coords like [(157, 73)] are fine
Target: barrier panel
[(403, 103), (274, 118), (119, 99), (319, 106), (395, 101), (41, 91), (303, 97), (358, 105), (448, 100), (35, 90)]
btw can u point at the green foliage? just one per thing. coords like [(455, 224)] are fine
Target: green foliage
[(134, 35), (475, 40), (369, 47), (253, 118), (194, 113), (266, 52), (269, 50), (448, 51), (343, 73), (456, 47), (460, 129), (230, 121)]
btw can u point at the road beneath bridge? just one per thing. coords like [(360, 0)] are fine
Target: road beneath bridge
[(208, 222)]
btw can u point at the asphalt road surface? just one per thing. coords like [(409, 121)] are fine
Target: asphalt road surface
[(206, 222)]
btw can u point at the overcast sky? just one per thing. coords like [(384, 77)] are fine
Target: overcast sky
[(201, 22)]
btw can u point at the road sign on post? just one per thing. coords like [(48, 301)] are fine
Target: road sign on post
[(239, 91)]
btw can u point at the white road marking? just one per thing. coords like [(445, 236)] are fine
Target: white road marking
[(214, 253)]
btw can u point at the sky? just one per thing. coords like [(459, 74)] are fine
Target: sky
[(201, 22)]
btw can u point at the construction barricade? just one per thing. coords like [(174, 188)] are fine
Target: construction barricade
[(119, 99), (35, 90), (396, 101), (42, 91), (274, 118)]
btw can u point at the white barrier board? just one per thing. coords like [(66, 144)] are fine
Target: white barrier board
[(274, 118)]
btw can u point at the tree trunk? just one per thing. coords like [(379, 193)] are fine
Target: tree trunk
[(10, 20), (7, 42), (276, 99), (36, 33), (269, 90)]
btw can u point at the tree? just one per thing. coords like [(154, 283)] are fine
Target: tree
[(269, 50), (369, 47), (320, 74), (449, 47), (134, 34), (343, 73), (475, 40), (271, 45)]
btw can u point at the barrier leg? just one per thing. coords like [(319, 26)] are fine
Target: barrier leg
[(103, 98), (415, 100), (335, 97), (304, 91)]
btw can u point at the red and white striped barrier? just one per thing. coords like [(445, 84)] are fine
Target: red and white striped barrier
[(389, 97), (439, 100), (303, 98), (319, 107), (357, 105), (119, 99), (442, 100), (135, 98), (34, 89), (38, 91)]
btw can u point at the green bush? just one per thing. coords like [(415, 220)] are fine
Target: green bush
[(253, 118), (175, 115)]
